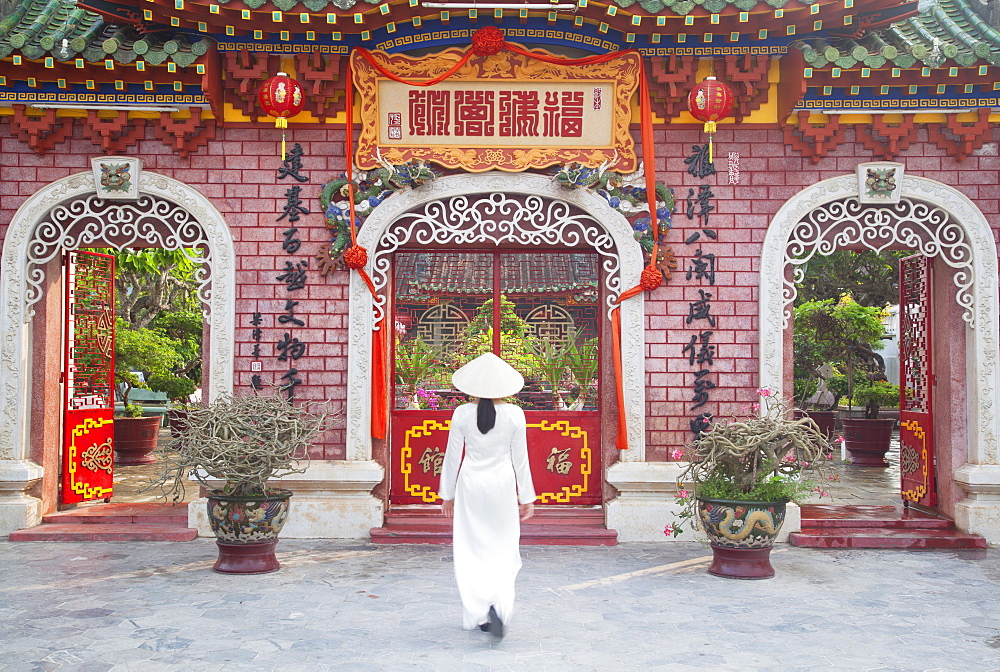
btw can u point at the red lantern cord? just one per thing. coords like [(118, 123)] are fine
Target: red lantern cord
[(711, 101), (355, 256)]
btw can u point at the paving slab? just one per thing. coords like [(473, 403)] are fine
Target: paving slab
[(348, 605)]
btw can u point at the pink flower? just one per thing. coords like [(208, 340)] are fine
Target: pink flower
[(676, 454), (755, 407), (764, 392), (668, 530), (683, 494), (839, 439)]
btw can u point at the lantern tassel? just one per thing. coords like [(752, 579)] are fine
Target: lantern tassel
[(282, 123), (710, 128)]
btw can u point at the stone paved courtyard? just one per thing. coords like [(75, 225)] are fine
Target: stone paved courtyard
[(338, 605)]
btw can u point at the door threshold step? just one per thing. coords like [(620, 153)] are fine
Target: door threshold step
[(858, 516), (885, 538), (531, 535), (105, 532), (123, 514)]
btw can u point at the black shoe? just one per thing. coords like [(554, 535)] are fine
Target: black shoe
[(495, 626), (485, 627)]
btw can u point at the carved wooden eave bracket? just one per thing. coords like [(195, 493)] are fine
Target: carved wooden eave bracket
[(113, 134), (960, 139), (885, 139)]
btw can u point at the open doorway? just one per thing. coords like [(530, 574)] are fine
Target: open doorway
[(72, 214), (846, 368), (944, 227), (159, 330)]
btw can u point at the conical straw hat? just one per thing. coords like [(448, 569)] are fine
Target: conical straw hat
[(488, 377)]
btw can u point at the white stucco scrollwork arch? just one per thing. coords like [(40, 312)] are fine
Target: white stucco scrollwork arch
[(384, 231), (33, 228), (945, 223)]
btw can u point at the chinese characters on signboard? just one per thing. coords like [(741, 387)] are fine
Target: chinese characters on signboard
[(505, 113), (485, 113)]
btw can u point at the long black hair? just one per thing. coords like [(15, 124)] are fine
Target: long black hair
[(486, 415)]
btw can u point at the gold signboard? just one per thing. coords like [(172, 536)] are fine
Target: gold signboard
[(506, 112)]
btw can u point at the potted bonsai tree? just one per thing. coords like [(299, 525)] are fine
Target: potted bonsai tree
[(868, 439), (243, 443), (741, 474), (154, 355), (833, 338)]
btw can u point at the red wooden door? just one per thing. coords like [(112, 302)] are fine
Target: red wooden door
[(546, 326), (88, 409), (916, 426)]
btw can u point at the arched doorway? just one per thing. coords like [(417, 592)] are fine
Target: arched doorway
[(64, 216), (492, 211), (940, 222)]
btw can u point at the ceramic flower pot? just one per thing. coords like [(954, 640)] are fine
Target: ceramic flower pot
[(867, 441), (135, 440), (246, 530), (741, 535)]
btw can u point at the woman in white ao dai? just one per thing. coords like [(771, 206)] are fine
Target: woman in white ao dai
[(482, 491)]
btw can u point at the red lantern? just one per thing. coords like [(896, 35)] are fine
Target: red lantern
[(281, 97), (711, 101)]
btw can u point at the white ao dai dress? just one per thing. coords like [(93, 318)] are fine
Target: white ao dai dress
[(486, 487)]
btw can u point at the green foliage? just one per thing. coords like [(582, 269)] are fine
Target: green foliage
[(152, 281), (550, 355), (176, 388), (841, 333), (149, 351), (187, 328), (805, 388), (581, 358), (771, 489), (133, 411), (872, 278), (876, 394), (415, 361), (827, 331), (515, 342)]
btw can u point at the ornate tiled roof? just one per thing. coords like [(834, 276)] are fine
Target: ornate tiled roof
[(943, 58), (950, 33), (63, 31), (427, 274)]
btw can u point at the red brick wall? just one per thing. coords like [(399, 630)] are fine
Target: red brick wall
[(770, 174), (237, 172)]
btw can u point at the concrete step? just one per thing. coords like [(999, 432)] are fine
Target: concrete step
[(853, 516), (148, 514), (431, 515), (550, 526), (874, 537), (104, 532), (531, 535)]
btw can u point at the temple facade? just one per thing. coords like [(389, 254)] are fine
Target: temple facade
[(468, 176)]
